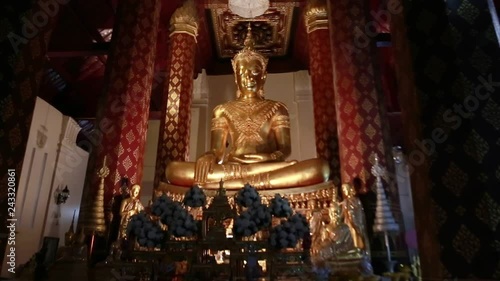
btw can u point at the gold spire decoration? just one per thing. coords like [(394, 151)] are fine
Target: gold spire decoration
[(185, 19), (249, 51), (96, 222), (316, 16)]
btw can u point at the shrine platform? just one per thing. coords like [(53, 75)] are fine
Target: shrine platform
[(304, 197)]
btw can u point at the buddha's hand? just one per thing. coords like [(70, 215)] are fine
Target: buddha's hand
[(204, 165), (256, 158), (259, 157)]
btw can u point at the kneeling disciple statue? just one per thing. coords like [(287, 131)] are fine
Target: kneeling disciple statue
[(250, 139), (333, 245)]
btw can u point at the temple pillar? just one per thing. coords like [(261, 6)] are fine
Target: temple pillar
[(424, 212), (320, 68), (361, 117), (450, 106), (122, 117), (173, 143)]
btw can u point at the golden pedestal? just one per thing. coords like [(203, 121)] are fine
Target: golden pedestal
[(310, 197)]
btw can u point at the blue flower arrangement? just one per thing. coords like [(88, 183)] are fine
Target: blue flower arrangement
[(280, 207), (256, 217), (195, 197), (171, 213), (289, 232), (252, 220), (147, 233), (248, 197)]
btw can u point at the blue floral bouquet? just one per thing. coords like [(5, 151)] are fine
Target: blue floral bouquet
[(252, 220), (248, 197), (288, 233), (244, 225), (160, 205), (280, 207), (172, 214), (195, 197), (179, 222), (147, 233)]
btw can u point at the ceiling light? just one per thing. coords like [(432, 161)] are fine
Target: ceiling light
[(248, 8)]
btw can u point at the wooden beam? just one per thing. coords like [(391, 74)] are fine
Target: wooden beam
[(96, 49)]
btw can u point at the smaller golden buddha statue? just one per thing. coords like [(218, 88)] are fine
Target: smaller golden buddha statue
[(332, 240), (129, 207), (355, 217), (250, 139)]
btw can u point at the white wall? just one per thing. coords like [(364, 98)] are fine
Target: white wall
[(200, 118), (34, 193), (70, 171), (150, 161)]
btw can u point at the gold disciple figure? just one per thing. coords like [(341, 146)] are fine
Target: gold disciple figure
[(130, 206), (355, 218), (250, 139), (332, 239)]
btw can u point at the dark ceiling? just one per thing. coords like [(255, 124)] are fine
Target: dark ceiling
[(80, 45)]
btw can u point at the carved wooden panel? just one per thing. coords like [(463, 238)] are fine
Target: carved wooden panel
[(271, 31)]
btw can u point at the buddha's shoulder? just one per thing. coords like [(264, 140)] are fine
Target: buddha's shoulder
[(279, 106), (219, 110)]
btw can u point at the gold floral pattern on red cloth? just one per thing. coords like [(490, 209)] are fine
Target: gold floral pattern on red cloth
[(325, 125), (125, 109), (359, 109), (173, 143)]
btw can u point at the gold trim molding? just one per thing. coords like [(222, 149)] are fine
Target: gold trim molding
[(185, 19), (308, 197), (316, 16)]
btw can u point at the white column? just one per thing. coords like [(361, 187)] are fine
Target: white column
[(71, 167), (405, 196), (199, 141), (303, 99)]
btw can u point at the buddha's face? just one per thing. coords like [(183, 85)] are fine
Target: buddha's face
[(250, 76), (134, 192), (334, 214), (348, 190)]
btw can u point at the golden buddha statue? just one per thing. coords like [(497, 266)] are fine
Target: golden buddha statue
[(355, 217), (250, 139), (129, 207)]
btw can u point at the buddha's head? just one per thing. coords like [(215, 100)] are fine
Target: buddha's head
[(134, 191), (348, 190), (249, 68), (335, 214)]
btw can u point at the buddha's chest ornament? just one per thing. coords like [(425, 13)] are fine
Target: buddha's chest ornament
[(248, 119)]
